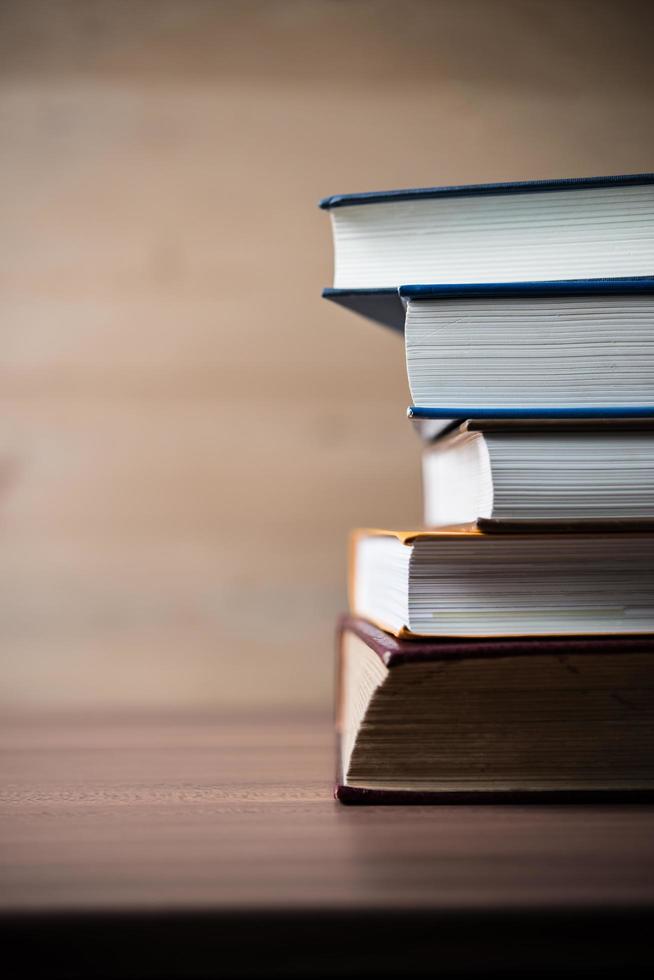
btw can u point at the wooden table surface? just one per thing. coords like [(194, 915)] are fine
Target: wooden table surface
[(175, 841)]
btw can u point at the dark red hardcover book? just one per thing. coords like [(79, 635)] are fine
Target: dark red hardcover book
[(587, 699)]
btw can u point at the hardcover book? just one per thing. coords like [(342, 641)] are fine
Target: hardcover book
[(591, 227), (464, 583), (541, 474), (497, 720), (539, 349)]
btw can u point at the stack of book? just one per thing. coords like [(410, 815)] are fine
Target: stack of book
[(506, 650)]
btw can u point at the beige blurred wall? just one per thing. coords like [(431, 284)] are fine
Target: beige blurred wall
[(186, 431)]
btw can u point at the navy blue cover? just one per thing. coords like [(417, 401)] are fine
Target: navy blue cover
[(380, 305), (619, 285), (473, 190), (551, 412)]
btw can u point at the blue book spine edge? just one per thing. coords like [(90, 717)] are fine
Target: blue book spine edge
[(620, 285), (587, 412), (474, 190)]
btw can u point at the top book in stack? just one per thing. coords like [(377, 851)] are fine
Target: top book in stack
[(583, 228)]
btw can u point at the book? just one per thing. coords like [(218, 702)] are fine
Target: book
[(461, 582), (591, 227), (454, 721), (522, 473), (543, 349)]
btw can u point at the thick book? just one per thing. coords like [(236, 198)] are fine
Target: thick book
[(461, 582), (493, 720), (579, 349), (543, 474), (593, 227)]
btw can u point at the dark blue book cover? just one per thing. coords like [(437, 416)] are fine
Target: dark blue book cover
[(475, 190), (550, 412), (618, 286), (380, 305)]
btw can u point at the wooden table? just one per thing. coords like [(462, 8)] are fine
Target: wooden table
[(210, 846)]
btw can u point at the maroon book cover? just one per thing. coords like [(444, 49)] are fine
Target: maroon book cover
[(393, 652)]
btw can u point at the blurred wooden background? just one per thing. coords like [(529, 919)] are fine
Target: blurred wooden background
[(186, 431)]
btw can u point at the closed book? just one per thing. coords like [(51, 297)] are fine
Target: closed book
[(581, 349), (592, 227), (541, 475), (493, 720), (461, 582)]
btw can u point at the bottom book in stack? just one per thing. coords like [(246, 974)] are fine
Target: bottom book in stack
[(452, 720)]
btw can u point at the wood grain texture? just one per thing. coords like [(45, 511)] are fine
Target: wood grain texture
[(212, 812), (191, 847)]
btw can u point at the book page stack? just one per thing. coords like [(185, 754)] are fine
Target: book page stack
[(505, 651)]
